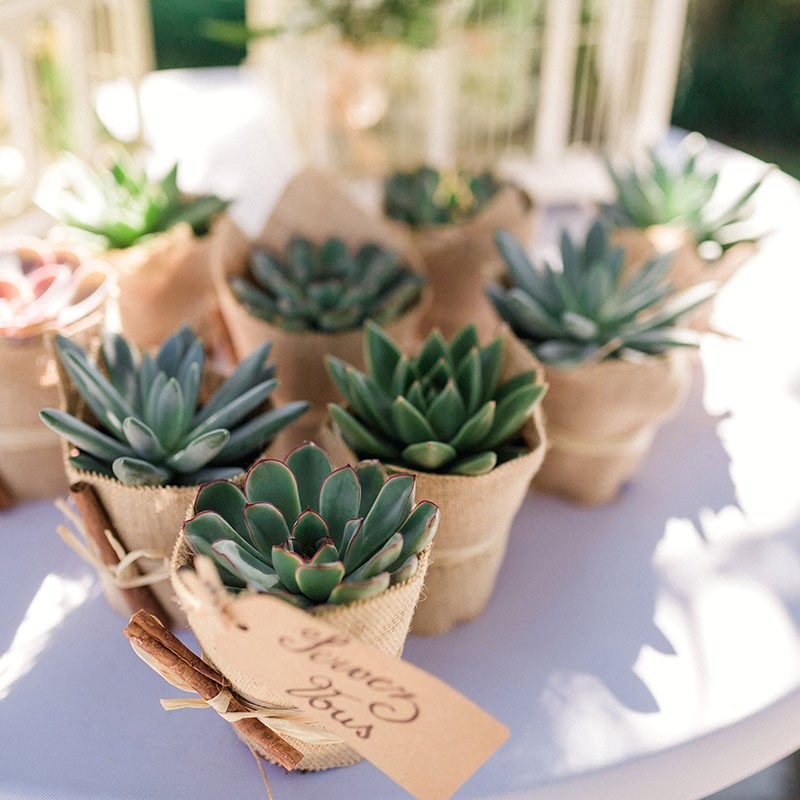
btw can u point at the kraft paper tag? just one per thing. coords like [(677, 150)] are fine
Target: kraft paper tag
[(422, 733)]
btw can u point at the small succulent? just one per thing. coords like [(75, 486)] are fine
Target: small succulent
[(121, 204), (327, 288), (427, 197), (43, 290), (311, 534), (683, 195), (443, 411), (587, 311), (154, 432)]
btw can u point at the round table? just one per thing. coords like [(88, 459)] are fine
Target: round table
[(647, 649)]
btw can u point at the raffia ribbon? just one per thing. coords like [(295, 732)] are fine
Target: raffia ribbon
[(284, 721), (115, 572), (560, 439)]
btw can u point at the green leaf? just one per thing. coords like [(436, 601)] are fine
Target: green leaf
[(286, 565), (355, 434), (142, 439), (406, 571), (339, 501), (88, 463), (511, 413), (232, 414), (447, 412), (472, 433), (137, 472), (432, 350), (463, 343), (253, 436), (266, 527), (84, 436), (418, 530), (310, 466), (309, 529), (478, 464), (380, 354), (225, 499), (371, 477), (370, 404), (491, 358), (359, 590), (169, 421), (337, 370), (271, 481), (428, 455), (253, 571), (468, 380), (380, 561), (317, 581), (526, 378), (410, 425), (198, 452), (387, 514)]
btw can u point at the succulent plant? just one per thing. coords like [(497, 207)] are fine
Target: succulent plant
[(154, 432), (311, 534), (42, 290), (587, 310), (121, 204), (327, 288), (444, 410), (683, 195), (427, 197)]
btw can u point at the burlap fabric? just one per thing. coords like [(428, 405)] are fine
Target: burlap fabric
[(164, 283), (601, 419), (30, 453), (461, 260), (686, 269), (476, 517), (382, 622), (313, 207), (143, 517)]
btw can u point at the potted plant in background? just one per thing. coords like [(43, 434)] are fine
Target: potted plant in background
[(675, 207), (349, 545), (616, 364), (469, 428), (43, 289), (310, 282), (145, 431), (158, 240), (451, 219)]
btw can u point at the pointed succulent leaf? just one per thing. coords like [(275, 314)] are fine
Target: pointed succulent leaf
[(429, 456), (380, 561), (477, 464), (255, 572), (418, 530), (234, 412), (371, 477), (326, 553), (462, 344), (227, 500), (88, 463), (142, 439), (410, 425), (469, 380), (525, 378), (433, 349), (511, 413), (253, 436), (491, 358), (356, 435), (474, 431), (339, 500), (337, 370), (447, 413), (198, 452), (359, 590), (406, 571), (137, 472), (381, 354), (84, 436)]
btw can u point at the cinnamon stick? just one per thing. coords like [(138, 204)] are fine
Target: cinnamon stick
[(147, 632), (6, 498), (97, 523)]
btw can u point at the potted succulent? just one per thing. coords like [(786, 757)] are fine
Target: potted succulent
[(615, 361), (158, 240), (451, 219), (469, 427), (308, 286), (145, 431), (43, 289), (348, 545), (665, 207)]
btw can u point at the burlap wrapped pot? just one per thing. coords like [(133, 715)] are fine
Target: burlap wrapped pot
[(144, 518), (30, 453), (313, 207), (601, 419), (462, 259), (381, 622), (164, 282), (687, 268), (476, 517)]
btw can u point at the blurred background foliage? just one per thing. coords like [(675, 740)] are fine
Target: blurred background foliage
[(739, 84)]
